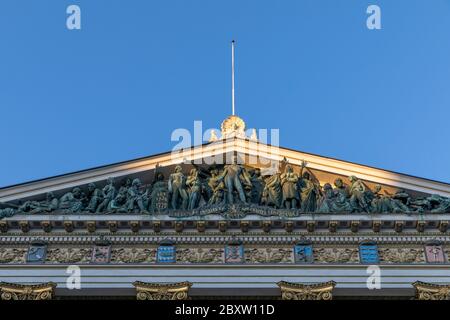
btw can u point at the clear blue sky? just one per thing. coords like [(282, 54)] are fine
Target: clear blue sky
[(115, 90)]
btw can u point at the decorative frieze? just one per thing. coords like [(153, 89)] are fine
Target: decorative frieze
[(401, 255), (69, 255), (269, 255), (13, 255), (133, 255), (336, 255), (200, 255)]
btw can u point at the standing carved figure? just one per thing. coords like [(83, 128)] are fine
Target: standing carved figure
[(309, 191), (177, 189), (289, 181), (232, 175), (217, 187), (195, 187), (108, 194), (257, 186)]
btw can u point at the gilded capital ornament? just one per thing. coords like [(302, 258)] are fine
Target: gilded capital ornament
[(13, 291), (298, 291), (162, 291), (430, 291)]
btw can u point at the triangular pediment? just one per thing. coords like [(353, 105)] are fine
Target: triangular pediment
[(250, 153)]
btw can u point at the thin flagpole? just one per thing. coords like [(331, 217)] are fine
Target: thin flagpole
[(232, 77)]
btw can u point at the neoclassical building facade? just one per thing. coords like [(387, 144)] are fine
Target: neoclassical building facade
[(232, 218)]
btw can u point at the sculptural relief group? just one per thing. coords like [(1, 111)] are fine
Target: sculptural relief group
[(230, 185)]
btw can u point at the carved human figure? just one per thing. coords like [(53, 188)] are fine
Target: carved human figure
[(195, 187), (341, 202), (95, 197), (108, 194), (357, 193), (217, 187), (72, 201), (126, 184), (257, 185), (309, 191), (289, 182), (48, 205), (119, 203), (326, 202), (233, 175), (136, 198), (380, 202), (177, 189), (401, 201), (7, 212), (439, 204), (272, 194)]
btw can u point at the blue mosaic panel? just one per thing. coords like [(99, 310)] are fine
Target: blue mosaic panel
[(234, 253), (368, 253), (166, 254), (36, 253), (303, 253)]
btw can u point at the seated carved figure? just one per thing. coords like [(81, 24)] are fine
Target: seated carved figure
[(439, 204), (326, 202), (136, 199), (341, 201), (7, 212), (357, 191), (108, 194), (401, 201), (380, 203), (95, 197), (72, 201)]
